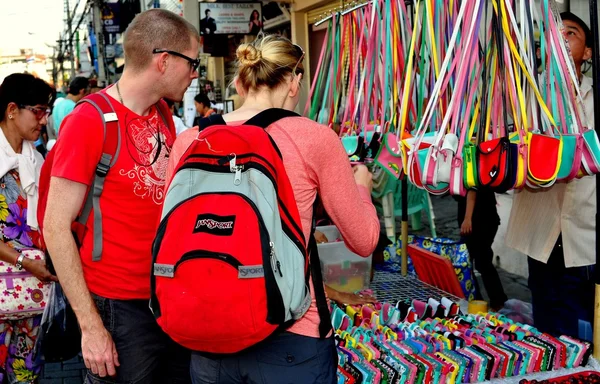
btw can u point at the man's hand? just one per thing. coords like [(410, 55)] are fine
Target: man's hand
[(99, 351), (467, 227)]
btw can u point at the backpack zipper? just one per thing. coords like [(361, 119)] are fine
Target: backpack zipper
[(202, 254), (275, 264), (237, 169)]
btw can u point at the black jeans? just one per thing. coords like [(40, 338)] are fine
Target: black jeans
[(479, 243), (284, 358), (560, 296), (146, 354)]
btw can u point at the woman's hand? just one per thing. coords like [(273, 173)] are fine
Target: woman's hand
[(38, 269), (320, 237), (344, 298)]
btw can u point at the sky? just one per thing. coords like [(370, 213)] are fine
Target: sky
[(31, 23)]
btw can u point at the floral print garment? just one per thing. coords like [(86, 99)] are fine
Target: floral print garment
[(17, 338)]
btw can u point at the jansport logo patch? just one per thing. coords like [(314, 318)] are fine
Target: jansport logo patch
[(215, 225)]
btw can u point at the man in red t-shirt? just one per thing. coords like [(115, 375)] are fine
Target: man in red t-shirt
[(120, 336)]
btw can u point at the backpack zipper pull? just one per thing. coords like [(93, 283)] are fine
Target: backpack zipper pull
[(274, 262), (232, 162), (237, 180), (234, 168)]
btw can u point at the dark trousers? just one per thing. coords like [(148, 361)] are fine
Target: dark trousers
[(146, 354), (284, 358), (560, 296), (479, 243)]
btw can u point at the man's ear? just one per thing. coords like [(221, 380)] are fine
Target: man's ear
[(162, 62), (587, 54)]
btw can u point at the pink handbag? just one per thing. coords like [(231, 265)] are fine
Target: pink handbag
[(22, 295)]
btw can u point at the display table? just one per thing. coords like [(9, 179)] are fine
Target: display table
[(392, 287)]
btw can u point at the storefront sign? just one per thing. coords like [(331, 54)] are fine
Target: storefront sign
[(110, 17), (230, 18)]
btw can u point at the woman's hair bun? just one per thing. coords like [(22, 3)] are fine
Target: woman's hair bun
[(247, 54)]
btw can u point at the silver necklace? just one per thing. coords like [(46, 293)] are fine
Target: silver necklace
[(119, 93)]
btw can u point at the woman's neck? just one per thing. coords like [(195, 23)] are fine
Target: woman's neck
[(13, 138)]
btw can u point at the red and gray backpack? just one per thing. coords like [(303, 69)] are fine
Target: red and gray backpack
[(230, 262)]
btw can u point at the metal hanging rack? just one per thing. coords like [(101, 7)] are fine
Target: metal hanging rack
[(342, 10)]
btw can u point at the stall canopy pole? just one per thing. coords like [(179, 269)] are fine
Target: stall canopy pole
[(596, 88), (404, 186)]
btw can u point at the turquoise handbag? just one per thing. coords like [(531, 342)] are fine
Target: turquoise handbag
[(570, 162)]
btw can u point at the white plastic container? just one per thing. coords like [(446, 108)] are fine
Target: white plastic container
[(342, 269)]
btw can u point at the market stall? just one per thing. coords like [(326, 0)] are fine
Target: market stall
[(449, 96)]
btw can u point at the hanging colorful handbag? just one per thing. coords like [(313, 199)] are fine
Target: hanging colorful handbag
[(355, 148), (426, 162), (520, 170), (572, 152), (445, 157), (469, 156), (389, 156), (457, 186), (545, 153), (24, 295), (590, 161), (493, 163)]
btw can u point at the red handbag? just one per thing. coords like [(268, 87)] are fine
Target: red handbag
[(493, 162)]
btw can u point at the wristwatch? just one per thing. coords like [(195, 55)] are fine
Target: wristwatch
[(19, 263)]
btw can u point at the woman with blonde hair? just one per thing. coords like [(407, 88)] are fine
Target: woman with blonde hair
[(269, 75)]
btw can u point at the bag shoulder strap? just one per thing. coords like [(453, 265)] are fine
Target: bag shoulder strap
[(269, 116), (206, 122), (317, 278), (110, 153), (262, 119)]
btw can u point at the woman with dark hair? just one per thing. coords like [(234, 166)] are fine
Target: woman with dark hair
[(255, 23), (24, 109)]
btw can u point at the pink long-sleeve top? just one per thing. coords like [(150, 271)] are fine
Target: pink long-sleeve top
[(315, 161)]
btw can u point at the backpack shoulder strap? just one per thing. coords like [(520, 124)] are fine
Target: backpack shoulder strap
[(269, 116), (211, 120), (110, 153), (262, 120), (317, 278)]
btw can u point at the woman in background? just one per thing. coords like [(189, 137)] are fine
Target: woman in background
[(255, 23), (24, 109)]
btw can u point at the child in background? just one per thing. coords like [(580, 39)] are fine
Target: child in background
[(479, 221)]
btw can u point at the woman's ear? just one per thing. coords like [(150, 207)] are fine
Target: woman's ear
[(238, 87), (11, 109), (295, 88)]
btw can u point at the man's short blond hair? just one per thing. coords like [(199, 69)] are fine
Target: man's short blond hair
[(155, 28)]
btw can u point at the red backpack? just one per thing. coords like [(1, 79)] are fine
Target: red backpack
[(230, 260)]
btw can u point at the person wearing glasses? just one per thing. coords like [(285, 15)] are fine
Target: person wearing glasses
[(120, 337), (269, 75), (24, 102)]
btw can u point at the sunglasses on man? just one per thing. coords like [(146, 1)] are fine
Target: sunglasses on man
[(194, 63)]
